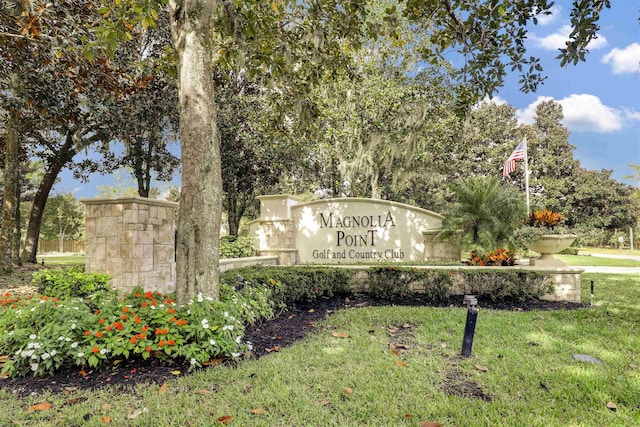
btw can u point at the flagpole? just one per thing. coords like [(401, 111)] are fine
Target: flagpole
[(526, 173)]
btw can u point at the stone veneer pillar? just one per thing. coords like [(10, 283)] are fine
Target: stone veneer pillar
[(438, 250), (132, 240), (273, 231)]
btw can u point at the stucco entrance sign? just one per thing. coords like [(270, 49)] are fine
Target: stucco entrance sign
[(346, 231)]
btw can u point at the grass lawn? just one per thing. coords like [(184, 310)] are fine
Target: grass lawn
[(610, 251), (66, 259), (521, 373), (596, 261)]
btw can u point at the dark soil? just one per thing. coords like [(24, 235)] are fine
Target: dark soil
[(269, 336)]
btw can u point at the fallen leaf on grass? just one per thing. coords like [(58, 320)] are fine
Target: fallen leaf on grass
[(340, 335), (612, 406), (428, 424), (39, 407), (176, 373), (401, 363), (482, 368), (401, 347), (106, 419), (348, 391), (163, 388), (225, 419), (258, 411), (324, 402), (409, 415), (204, 392)]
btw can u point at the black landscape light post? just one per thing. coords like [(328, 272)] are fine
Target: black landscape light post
[(470, 328)]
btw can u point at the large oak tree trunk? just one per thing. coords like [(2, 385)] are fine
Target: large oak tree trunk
[(198, 231), (9, 201), (64, 155)]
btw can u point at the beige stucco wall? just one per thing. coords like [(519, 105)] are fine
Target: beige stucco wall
[(353, 230), (132, 240), (348, 231)]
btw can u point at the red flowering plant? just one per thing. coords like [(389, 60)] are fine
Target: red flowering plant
[(43, 335), (538, 224), (497, 257), (544, 218)]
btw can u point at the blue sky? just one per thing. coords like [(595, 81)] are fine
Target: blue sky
[(600, 97)]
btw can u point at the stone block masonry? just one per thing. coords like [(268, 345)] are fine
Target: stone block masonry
[(132, 240)]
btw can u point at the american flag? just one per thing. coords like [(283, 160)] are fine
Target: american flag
[(518, 154)]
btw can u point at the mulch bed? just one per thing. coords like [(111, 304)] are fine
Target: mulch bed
[(269, 336)]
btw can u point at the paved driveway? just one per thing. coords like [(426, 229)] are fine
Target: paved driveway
[(612, 270)]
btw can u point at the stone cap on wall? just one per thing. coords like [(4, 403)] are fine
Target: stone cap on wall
[(276, 207), (129, 199)]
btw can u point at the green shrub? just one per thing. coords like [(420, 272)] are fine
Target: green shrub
[(570, 251), (42, 334), (69, 282), (290, 285), (389, 283), (505, 284), (236, 247)]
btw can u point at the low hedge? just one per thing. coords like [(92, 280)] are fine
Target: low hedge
[(290, 285), (301, 283), (68, 282)]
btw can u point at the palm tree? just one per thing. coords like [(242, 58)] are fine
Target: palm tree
[(486, 212)]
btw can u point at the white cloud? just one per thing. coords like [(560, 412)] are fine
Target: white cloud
[(495, 100), (558, 40), (528, 114), (548, 19), (632, 115), (582, 113), (625, 60)]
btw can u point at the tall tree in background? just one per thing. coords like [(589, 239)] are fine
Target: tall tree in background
[(489, 134), (255, 152), (551, 162), (601, 204), (63, 219), (490, 36), (11, 198), (55, 92), (146, 120)]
